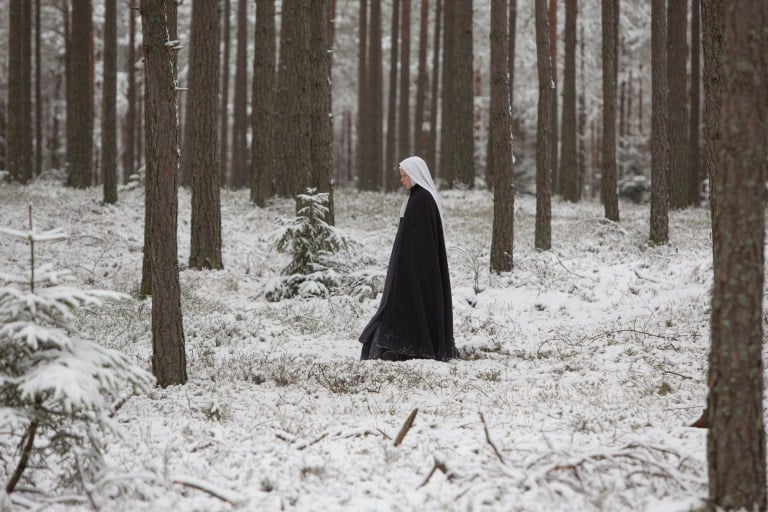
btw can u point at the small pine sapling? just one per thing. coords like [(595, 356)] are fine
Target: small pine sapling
[(56, 390)]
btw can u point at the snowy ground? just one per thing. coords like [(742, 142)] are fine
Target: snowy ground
[(586, 363)]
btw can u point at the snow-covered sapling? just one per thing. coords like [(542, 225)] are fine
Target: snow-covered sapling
[(56, 389)]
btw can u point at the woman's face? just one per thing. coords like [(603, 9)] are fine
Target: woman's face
[(405, 180)]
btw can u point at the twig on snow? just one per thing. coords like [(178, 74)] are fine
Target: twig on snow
[(209, 489), (488, 438), (406, 427), (437, 465)]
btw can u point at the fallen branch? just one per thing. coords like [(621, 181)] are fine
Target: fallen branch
[(406, 427), (437, 465), (209, 489), (488, 438)]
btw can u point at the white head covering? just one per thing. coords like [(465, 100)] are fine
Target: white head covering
[(416, 169)]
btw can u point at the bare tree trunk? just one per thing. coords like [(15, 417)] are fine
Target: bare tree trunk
[(447, 112), (582, 124), (14, 142), (404, 119), (362, 97), (224, 110), (695, 174), (108, 105), (129, 152), (502, 238), (461, 144), (240, 170), (26, 97), (169, 363), (375, 121), (262, 104), (659, 146), (80, 98), (420, 142), (677, 129), (736, 446), (556, 185), (390, 176), (433, 100), (568, 159), (201, 140), (543, 232), (609, 191), (38, 94)]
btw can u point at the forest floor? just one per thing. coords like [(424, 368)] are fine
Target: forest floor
[(580, 370)]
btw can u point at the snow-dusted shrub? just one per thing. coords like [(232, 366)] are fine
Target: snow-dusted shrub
[(321, 253), (56, 390)]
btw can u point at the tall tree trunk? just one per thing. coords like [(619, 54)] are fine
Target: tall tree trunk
[(201, 140), (461, 145), (582, 122), (374, 125), (240, 170), (677, 129), (695, 174), (448, 82), (169, 364), (390, 174), (609, 191), (224, 110), (320, 175), (262, 104), (404, 119), (543, 232), (568, 161), (659, 145), (129, 152), (420, 142), (14, 143), (433, 100), (736, 447), (26, 97), (362, 98), (502, 238), (109, 104), (80, 98), (556, 185), (38, 94)]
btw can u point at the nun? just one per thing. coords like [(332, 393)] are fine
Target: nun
[(415, 317)]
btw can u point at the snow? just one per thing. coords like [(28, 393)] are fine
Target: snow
[(587, 363)]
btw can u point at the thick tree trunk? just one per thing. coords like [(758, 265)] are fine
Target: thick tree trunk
[(80, 98), (201, 140), (262, 104), (14, 145), (461, 145), (695, 174), (568, 159), (240, 170), (502, 239), (39, 127), (677, 122), (609, 172), (659, 145), (543, 232), (108, 104), (168, 355), (420, 139), (736, 448), (362, 98), (375, 122), (404, 119)]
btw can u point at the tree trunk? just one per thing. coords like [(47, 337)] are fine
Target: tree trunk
[(461, 144), (168, 356), (420, 142), (582, 124), (695, 174), (659, 145), (201, 141), (568, 160), (677, 122), (240, 170), (109, 105), (390, 173), (26, 97), (374, 124), (433, 100), (80, 98), (502, 239), (224, 110), (609, 191), (262, 104), (14, 142), (320, 175), (404, 119), (556, 184), (129, 152), (362, 98), (38, 94), (543, 232), (448, 82), (736, 450)]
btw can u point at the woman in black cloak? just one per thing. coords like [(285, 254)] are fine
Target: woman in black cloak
[(415, 318)]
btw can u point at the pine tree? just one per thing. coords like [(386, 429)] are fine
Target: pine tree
[(543, 232), (262, 104), (660, 160), (569, 181), (609, 172), (108, 104), (80, 98)]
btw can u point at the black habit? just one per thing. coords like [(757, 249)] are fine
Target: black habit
[(415, 318)]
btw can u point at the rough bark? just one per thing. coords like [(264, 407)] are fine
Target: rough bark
[(556, 178), (80, 98), (129, 152), (362, 97), (168, 355), (375, 121), (502, 238), (201, 139), (390, 174), (404, 119), (677, 122), (39, 127), (420, 140), (448, 82), (224, 110), (15, 115), (736, 447), (609, 172), (109, 105), (431, 157), (461, 145), (568, 161), (543, 231), (240, 170), (659, 145), (695, 174), (262, 103)]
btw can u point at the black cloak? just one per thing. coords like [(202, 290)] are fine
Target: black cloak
[(415, 318)]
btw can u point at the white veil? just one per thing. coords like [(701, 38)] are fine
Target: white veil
[(416, 169)]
